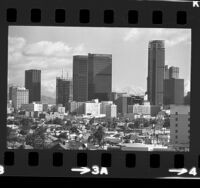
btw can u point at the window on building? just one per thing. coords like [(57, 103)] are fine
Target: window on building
[(176, 137), (176, 113), (176, 131), (176, 119), (176, 124), (188, 119)]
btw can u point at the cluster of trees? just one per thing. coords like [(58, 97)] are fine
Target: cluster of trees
[(37, 139), (97, 136)]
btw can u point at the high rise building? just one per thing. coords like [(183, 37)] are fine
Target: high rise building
[(166, 72), (156, 68), (174, 72), (33, 84), (64, 93), (80, 78), (20, 95), (174, 91), (99, 76)]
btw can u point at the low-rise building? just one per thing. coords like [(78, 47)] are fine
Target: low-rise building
[(108, 108), (76, 107), (32, 107), (92, 108), (145, 109)]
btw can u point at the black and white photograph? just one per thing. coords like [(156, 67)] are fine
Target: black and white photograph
[(99, 88)]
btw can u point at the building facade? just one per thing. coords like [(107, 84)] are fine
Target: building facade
[(32, 107), (80, 78), (92, 108), (166, 76), (64, 93), (20, 96), (76, 107), (11, 91), (180, 126), (99, 76), (108, 108), (174, 91), (33, 84), (174, 72), (156, 69), (122, 107)]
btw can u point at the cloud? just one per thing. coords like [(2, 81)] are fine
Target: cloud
[(15, 44), (172, 37), (50, 57), (132, 34), (52, 49)]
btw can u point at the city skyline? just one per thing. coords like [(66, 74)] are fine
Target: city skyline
[(55, 56)]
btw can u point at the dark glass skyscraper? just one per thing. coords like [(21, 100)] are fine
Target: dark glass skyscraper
[(33, 84), (80, 78), (64, 93), (156, 69), (174, 91), (99, 76)]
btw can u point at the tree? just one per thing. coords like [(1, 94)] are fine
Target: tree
[(37, 139), (146, 123), (99, 135), (58, 121), (68, 125), (136, 123), (63, 135), (74, 129), (12, 137), (166, 123), (26, 125)]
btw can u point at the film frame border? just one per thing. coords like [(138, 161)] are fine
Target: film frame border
[(133, 164)]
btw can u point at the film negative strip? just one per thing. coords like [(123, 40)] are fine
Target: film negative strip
[(99, 89)]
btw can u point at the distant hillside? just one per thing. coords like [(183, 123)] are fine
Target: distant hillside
[(47, 100)]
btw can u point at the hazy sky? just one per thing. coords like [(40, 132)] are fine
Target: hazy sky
[(51, 49)]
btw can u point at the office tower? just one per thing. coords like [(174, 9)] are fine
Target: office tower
[(174, 72), (64, 93), (156, 66), (174, 91), (19, 96), (80, 78), (99, 76), (33, 84), (166, 72)]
